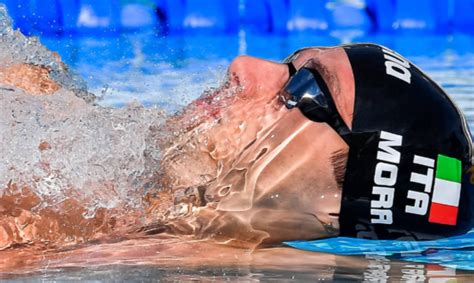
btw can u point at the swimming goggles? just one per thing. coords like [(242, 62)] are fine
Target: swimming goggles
[(307, 91)]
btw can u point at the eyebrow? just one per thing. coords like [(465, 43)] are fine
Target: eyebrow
[(329, 77), (332, 81)]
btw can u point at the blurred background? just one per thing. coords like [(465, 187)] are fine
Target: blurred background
[(64, 17), (141, 49)]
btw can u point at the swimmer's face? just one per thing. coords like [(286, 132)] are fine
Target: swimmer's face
[(269, 172)]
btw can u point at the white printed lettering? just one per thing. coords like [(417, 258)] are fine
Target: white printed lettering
[(421, 201), (386, 151), (385, 199), (396, 59), (397, 66), (425, 180), (381, 216), (428, 162), (385, 174), (397, 71), (385, 177)]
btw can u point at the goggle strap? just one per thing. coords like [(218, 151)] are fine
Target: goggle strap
[(291, 68), (337, 123)]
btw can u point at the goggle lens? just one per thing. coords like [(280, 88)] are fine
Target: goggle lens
[(303, 90)]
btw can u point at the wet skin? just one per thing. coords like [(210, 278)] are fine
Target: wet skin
[(265, 173)]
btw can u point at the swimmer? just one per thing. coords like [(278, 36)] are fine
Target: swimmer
[(343, 141)]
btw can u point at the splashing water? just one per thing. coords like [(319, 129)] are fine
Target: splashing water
[(74, 164), (67, 162), (81, 148), (17, 48), (74, 171)]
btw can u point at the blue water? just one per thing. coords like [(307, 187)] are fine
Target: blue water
[(351, 246), (169, 72), (454, 252)]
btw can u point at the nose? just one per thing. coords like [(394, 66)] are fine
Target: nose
[(251, 80), (257, 77)]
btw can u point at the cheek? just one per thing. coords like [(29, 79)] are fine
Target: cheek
[(283, 185), (303, 168), (292, 159)]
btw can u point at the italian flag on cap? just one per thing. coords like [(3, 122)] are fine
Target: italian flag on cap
[(446, 192)]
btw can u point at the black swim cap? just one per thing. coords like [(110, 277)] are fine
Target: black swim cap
[(410, 152)]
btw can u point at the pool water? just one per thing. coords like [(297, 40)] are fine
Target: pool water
[(379, 270), (169, 72)]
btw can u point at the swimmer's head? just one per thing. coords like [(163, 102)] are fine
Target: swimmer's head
[(409, 145), (267, 174), (368, 139)]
